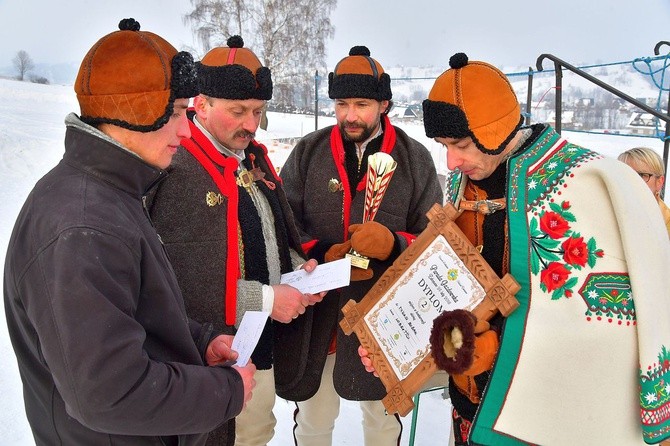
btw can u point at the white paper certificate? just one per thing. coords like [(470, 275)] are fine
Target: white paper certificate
[(401, 320), (248, 334), (325, 277)]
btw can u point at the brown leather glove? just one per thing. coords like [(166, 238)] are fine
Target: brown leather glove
[(460, 349), (459, 344), (486, 348), (337, 252), (372, 239)]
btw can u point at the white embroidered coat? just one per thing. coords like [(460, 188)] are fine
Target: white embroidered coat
[(584, 360)]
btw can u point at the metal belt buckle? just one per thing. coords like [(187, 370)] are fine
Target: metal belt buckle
[(491, 206)]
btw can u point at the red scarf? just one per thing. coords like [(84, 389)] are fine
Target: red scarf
[(337, 147), (202, 150)]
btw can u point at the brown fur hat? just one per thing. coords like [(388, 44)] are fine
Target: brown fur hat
[(473, 99), (131, 78)]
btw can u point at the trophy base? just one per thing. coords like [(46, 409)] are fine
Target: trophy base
[(358, 260)]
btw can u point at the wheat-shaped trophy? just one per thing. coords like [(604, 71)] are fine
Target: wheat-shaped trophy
[(380, 170)]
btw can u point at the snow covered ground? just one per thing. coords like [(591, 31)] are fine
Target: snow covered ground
[(31, 142)]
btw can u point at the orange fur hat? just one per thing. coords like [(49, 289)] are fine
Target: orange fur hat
[(473, 99), (131, 78)]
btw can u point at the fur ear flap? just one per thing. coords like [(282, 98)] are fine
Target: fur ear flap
[(330, 84), (385, 87), (264, 80)]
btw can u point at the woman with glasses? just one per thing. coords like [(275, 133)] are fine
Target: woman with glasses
[(649, 165)]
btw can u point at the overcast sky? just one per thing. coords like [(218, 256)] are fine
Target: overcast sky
[(508, 33)]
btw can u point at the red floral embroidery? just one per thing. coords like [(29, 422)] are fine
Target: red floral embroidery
[(554, 276), (557, 250), (575, 251), (553, 225)]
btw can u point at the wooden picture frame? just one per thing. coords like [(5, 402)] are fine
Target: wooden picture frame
[(440, 270)]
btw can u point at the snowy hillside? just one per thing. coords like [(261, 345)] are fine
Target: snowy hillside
[(412, 84)]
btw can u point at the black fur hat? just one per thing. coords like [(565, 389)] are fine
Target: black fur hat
[(359, 76), (234, 72)]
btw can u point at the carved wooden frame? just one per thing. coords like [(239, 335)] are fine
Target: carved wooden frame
[(499, 297)]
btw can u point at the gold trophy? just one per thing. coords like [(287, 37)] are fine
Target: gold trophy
[(380, 170)]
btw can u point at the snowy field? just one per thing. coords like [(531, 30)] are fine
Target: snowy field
[(31, 143)]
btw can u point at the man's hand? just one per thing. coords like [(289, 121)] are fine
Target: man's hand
[(289, 303), (367, 362), (247, 374), (219, 350), (309, 267)]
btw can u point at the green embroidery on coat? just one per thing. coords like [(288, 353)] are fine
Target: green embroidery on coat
[(549, 177), (609, 296), (655, 397), (556, 250)]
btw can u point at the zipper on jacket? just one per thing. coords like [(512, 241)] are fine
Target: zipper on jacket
[(145, 208)]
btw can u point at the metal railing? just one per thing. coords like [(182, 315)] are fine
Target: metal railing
[(558, 68)]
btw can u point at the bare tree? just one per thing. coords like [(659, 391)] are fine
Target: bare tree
[(23, 63), (289, 37)]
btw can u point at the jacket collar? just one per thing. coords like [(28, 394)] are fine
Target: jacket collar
[(90, 150)]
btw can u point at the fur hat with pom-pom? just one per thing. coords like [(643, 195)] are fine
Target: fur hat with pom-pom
[(359, 76), (234, 72), (473, 99), (131, 78)]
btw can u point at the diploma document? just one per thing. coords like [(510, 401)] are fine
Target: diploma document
[(401, 321)]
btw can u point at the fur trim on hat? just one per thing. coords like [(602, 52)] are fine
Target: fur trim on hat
[(345, 86), (443, 120), (234, 82), (184, 76)]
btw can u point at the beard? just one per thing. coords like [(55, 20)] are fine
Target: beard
[(365, 134)]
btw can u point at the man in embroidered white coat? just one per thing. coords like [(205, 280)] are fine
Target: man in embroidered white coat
[(584, 359)]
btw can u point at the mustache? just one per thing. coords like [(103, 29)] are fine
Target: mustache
[(245, 134), (355, 124)]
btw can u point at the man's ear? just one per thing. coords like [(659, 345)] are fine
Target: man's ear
[(199, 104), (386, 106)]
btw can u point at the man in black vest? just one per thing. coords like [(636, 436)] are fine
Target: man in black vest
[(227, 226)]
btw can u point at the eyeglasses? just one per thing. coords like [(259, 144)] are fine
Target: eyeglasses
[(646, 176)]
